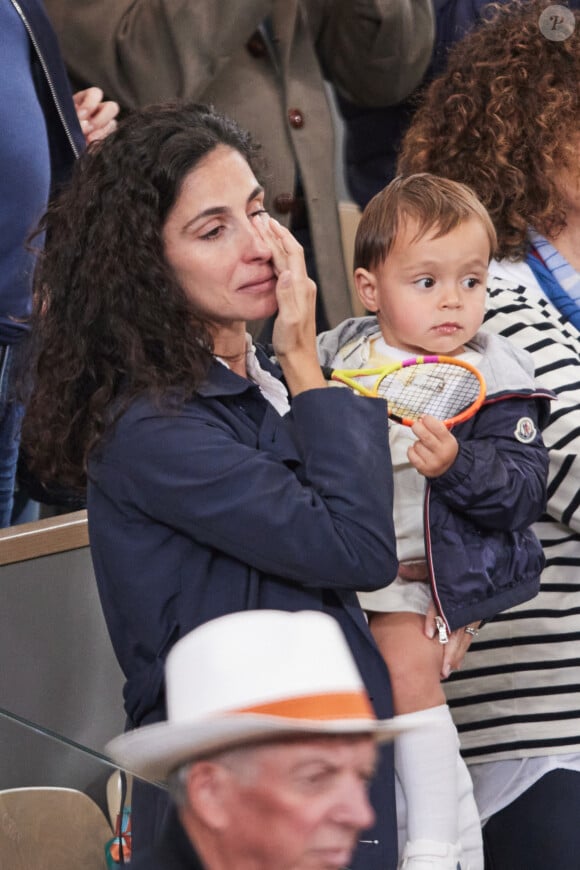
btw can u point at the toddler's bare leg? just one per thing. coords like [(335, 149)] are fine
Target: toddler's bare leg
[(426, 758)]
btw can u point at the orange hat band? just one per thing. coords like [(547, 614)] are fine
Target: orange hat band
[(335, 705)]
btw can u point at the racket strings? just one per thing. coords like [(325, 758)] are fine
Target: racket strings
[(440, 389)]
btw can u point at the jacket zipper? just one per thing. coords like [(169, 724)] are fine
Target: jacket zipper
[(48, 78), (440, 621), (441, 630)]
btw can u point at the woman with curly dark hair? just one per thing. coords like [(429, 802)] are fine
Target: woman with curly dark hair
[(504, 118), (205, 494)]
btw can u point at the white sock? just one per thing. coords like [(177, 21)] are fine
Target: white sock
[(468, 816), (426, 764)]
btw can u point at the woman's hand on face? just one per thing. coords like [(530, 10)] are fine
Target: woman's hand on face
[(294, 333)]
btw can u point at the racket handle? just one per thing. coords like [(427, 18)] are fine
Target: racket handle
[(327, 372)]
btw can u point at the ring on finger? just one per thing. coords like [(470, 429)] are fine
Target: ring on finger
[(472, 631)]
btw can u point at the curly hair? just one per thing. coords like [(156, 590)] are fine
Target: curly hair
[(500, 119), (110, 320)]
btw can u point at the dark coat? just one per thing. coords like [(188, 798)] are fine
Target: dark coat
[(172, 852), (225, 506)]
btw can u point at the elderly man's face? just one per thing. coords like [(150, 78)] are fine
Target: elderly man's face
[(300, 805)]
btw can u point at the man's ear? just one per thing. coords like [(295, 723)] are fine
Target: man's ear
[(208, 794), (366, 287)]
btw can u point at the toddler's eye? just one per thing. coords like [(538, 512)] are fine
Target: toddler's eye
[(425, 282)]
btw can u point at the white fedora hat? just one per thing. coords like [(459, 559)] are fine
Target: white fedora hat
[(250, 676)]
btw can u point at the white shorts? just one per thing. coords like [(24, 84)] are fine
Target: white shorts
[(400, 596)]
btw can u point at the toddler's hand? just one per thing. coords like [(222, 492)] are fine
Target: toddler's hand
[(436, 448)]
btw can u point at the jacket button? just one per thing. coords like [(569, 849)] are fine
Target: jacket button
[(296, 118), (284, 203), (256, 45)]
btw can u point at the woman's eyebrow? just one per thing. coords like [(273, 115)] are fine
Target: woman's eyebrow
[(256, 192), (221, 209), (213, 211)]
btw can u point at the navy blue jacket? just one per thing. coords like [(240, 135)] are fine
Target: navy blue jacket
[(482, 556), (173, 851), (226, 506)]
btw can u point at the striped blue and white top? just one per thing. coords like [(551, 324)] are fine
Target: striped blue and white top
[(517, 694)]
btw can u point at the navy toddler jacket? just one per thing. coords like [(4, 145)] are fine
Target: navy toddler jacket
[(482, 556)]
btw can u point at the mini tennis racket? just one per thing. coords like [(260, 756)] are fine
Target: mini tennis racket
[(447, 388)]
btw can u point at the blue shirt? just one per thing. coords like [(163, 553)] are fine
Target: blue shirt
[(25, 175)]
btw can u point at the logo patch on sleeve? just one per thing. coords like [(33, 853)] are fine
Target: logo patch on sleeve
[(525, 430)]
